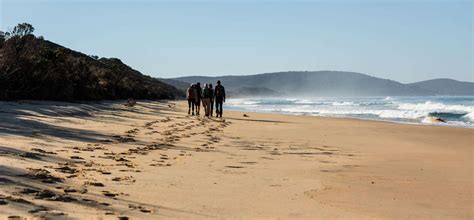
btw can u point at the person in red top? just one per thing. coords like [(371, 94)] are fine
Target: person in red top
[(191, 97)]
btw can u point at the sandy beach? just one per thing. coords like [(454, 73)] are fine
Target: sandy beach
[(108, 161)]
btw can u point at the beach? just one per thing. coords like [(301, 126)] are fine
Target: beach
[(105, 160)]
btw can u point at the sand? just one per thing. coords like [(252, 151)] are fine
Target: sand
[(108, 161)]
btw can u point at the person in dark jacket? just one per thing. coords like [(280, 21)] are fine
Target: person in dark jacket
[(191, 97), (211, 104), (219, 97), (198, 98)]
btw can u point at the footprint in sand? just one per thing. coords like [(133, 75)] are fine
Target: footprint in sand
[(88, 148), (249, 162), (350, 166), (124, 178), (96, 184), (145, 210), (47, 195), (141, 208), (133, 131), (42, 175), (66, 169), (30, 155), (121, 139), (214, 139), (76, 158), (148, 124), (267, 158), (235, 167), (330, 171), (109, 194), (42, 151), (70, 190), (38, 209), (121, 159), (167, 119)]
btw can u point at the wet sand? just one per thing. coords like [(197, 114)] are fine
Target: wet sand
[(109, 161)]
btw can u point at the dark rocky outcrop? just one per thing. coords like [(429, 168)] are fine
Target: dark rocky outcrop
[(34, 68)]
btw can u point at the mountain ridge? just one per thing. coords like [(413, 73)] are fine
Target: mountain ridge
[(334, 83), (446, 86)]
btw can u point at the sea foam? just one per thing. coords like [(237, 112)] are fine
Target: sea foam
[(457, 111)]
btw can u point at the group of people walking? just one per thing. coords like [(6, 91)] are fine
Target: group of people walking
[(208, 96)]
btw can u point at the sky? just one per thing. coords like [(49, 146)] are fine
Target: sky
[(404, 40)]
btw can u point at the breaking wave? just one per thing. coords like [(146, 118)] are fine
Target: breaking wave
[(455, 111)]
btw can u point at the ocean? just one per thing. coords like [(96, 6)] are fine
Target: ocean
[(454, 110)]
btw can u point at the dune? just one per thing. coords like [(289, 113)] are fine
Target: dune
[(105, 160)]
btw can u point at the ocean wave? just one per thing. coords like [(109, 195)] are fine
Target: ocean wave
[(430, 106), (401, 113), (470, 116), (238, 102), (446, 115), (376, 103), (351, 112), (344, 103), (410, 109), (304, 101)]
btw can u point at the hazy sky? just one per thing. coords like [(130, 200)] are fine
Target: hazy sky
[(403, 40)]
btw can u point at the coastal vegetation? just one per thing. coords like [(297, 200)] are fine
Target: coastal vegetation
[(37, 69)]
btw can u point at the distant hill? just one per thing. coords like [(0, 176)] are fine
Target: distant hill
[(243, 91), (34, 68), (254, 91), (334, 83), (446, 87)]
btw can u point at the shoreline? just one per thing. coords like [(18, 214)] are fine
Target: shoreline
[(455, 111), (361, 119), (106, 160), (247, 111)]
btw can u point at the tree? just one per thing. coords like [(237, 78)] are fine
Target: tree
[(2, 36), (22, 29)]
